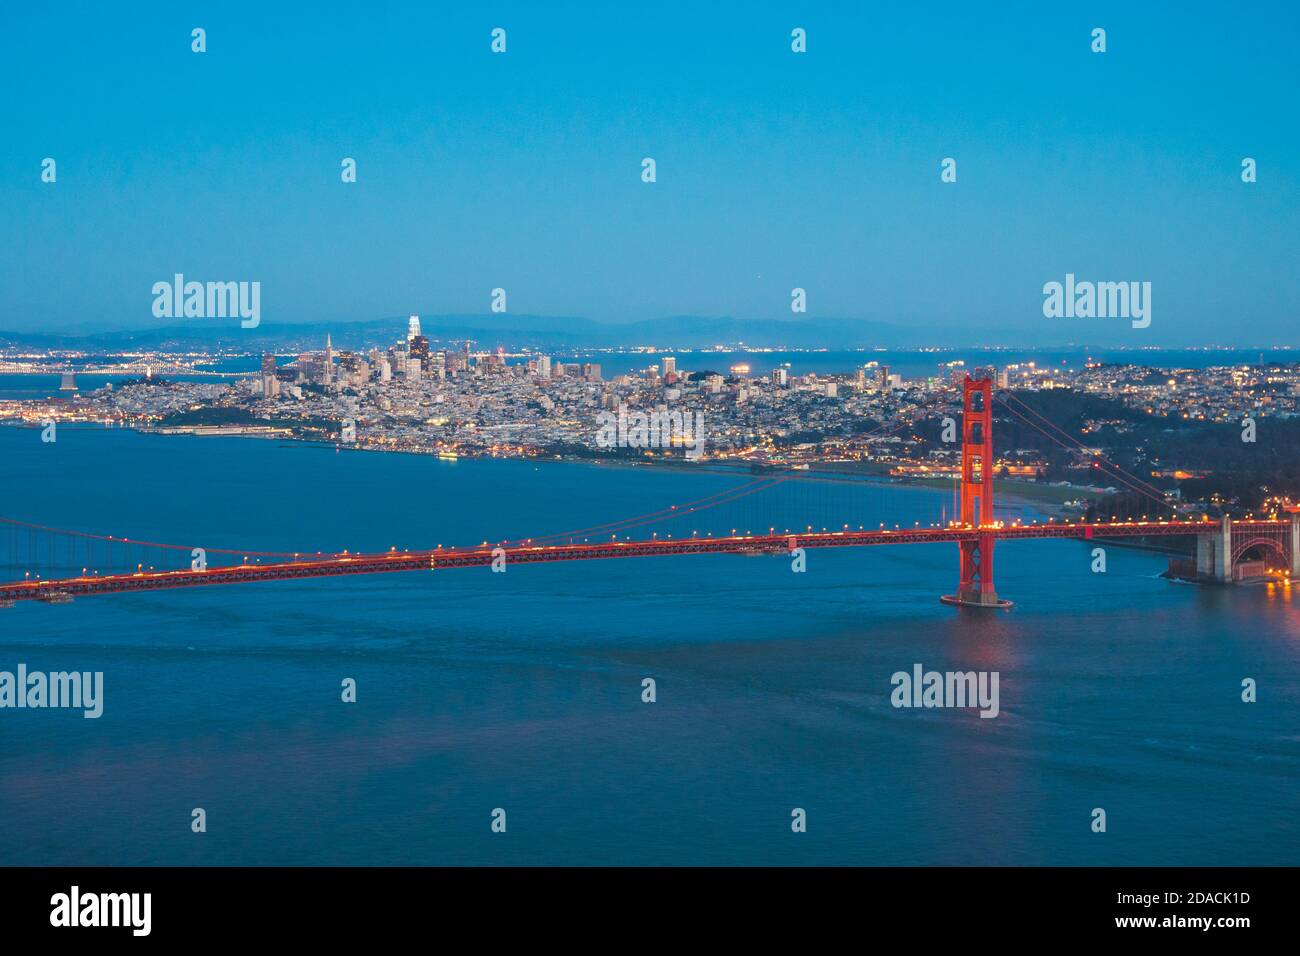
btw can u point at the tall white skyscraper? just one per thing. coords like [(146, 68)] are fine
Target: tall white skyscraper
[(412, 327)]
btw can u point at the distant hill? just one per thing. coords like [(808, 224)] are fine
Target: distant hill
[(513, 332)]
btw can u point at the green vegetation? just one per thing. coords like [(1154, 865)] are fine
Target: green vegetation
[(211, 415)]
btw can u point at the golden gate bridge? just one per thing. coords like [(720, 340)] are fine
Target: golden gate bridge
[(86, 564)]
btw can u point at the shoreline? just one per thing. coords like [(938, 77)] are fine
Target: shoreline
[(867, 474), (1038, 506)]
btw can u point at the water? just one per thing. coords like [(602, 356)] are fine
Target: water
[(522, 690)]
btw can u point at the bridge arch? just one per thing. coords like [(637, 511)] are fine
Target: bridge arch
[(1271, 544)]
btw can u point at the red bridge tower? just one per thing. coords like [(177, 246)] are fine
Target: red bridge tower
[(975, 589)]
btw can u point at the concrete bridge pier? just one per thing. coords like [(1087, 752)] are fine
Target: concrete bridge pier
[(1214, 552), (1223, 551), (1204, 557), (1295, 545)]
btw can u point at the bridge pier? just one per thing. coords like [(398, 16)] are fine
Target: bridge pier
[(1223, 551), (1214, 553), (1204, 557), (975, 588), (1295, 546)]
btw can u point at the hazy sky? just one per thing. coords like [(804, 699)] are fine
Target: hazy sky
[(775, 169)]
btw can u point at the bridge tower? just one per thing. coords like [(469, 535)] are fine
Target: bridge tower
[(975, 587)]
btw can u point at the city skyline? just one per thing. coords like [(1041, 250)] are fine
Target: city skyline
[(408, 393)]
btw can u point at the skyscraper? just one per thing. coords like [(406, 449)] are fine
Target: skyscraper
[(419, 348), (270, 384), (412, 328)]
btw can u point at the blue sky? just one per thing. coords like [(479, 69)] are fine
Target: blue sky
[(775, 170)]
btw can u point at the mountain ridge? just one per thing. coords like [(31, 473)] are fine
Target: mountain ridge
[(528, 331)]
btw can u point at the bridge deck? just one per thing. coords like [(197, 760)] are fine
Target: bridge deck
[(527, 554)]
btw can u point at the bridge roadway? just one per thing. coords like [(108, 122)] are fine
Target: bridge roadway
[(332, 565)]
